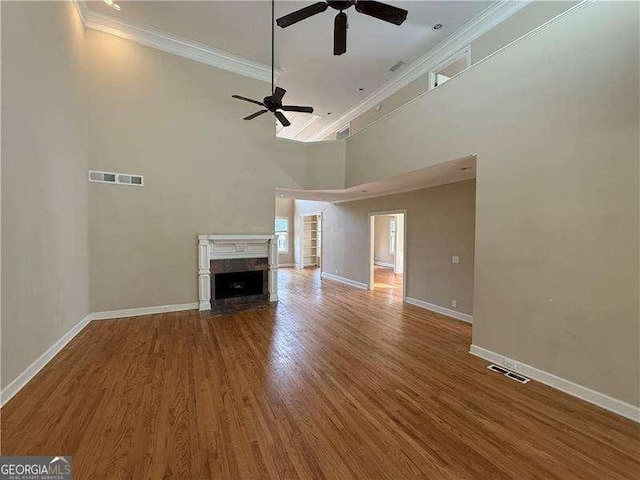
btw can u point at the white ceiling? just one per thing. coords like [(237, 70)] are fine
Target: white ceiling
[(313, 75), (440, 174)]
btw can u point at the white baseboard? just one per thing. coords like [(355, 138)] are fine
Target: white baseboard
[(21, 380), (600, 399), (346, 281), (135, 312), (286, 265), (383, 264), (438, 309)]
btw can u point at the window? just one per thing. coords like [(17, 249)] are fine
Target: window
[(343, 133), (451, 67), (392, 235), (282, 234)]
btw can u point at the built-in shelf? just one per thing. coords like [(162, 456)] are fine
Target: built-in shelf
[(310, 241)]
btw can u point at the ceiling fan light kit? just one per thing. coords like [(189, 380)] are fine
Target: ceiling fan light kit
[(381, 11)]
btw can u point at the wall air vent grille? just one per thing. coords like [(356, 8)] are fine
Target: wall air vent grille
[(517, 378), (496, 368), (116, 178), (396, 66)]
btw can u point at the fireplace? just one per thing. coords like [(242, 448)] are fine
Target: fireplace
[(236, 269), (237, 281), (237, 284)]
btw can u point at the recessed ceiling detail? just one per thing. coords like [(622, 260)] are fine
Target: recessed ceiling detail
[(441, 174), (230, 35)]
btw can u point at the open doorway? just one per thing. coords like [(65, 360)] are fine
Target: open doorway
[(387, 252)]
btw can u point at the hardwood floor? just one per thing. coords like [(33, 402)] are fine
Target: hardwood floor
[(385, 280), (334, 383)]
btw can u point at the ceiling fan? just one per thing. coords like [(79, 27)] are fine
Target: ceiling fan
[(378, 10), (273, 103)]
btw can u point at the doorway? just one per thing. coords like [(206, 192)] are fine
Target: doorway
[(387, 253)]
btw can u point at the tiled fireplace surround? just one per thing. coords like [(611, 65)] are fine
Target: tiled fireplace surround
[(219, 254)]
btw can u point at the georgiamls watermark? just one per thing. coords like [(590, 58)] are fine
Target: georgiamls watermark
[(35, 468)]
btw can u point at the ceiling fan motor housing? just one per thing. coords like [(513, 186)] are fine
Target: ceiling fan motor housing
[(270, 104), (341, 4), (379, 10)]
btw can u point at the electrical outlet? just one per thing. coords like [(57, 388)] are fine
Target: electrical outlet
[(336, 271), (455, 259), (454, 303)]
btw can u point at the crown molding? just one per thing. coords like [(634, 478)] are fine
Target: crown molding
[(174, 44), (293, 133), (479, 25), (536, 31), (305, 125), (81, 8)]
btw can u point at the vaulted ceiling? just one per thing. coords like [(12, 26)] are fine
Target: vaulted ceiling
[(312, 74)]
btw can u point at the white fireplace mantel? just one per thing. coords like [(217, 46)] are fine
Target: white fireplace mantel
[(216, 247)]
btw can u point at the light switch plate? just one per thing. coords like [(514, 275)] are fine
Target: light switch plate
[(455, 259)]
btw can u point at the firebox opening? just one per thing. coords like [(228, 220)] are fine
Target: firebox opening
[(238, 284)]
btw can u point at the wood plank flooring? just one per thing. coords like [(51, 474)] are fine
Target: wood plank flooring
[(333, 383), (386, 281)]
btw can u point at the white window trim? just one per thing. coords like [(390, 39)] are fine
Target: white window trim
[(285, 233), (463, 53), (392, 238)]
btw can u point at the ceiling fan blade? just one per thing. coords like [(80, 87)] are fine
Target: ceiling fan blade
[(254, 115), (276, 98), (340, 34), (301, 14), (247, 99), (382, 11), (283, 120), (295, 108)]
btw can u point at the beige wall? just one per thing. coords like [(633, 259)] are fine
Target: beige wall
[(556, 273), (325, 164), (518, 24), (284, 208), (206, 170), (440, 224), (522, 22), (381, 240), (389, 104), (44, 187), (146, 112)]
